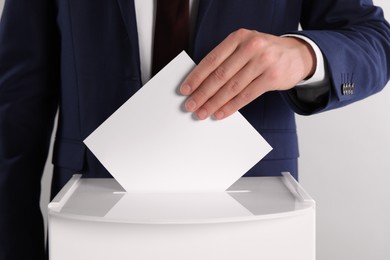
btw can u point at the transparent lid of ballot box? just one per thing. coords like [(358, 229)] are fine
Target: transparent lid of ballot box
[(249, 198)]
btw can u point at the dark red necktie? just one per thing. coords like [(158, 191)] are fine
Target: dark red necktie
[(171, 34)]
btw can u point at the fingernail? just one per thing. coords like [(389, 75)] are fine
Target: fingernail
[(190, 105), (201, 114), (219, 115), (185, 89)]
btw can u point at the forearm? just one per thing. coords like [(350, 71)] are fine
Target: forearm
[(356, 53)]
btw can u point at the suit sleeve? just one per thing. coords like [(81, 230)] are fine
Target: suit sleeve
[(354, 38), (28, 89)]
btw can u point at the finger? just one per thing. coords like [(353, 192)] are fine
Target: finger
[(216, 80), (208, 64), (255, 89), (232, 88)]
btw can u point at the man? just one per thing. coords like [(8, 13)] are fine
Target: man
[(84, 57)]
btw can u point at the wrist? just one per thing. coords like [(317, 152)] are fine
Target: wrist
[(308, 56)]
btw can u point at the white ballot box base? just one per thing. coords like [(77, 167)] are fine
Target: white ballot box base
[(269, 218)]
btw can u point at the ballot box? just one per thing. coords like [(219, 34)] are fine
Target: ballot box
[(269, 218)]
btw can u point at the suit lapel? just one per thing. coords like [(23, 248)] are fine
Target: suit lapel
[(129, 18), (203, 8)]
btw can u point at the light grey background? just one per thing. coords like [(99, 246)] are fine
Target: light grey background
[(345, 166)]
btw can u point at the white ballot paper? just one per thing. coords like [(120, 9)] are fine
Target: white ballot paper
[(151, 144)]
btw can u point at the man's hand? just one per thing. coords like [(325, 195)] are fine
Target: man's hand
[(241, 68)]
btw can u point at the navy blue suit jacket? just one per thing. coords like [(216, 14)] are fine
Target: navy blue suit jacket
[(82, 56)]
